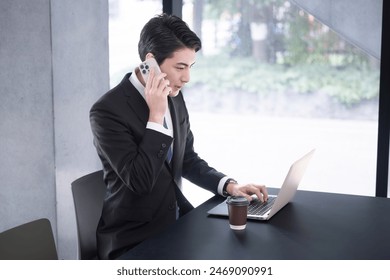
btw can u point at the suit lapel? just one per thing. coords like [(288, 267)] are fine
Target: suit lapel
[(179, 142), (176, 105), (172, 109)]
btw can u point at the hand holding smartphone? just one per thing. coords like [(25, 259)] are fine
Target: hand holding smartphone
[(146, 66), (156, 93)]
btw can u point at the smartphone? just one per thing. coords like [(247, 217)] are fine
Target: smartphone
[(146, 66)]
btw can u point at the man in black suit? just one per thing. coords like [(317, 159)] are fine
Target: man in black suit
[(136, 125)]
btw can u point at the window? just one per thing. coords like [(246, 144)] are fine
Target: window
[(271, 83), (127, 17)]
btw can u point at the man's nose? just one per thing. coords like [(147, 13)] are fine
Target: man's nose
[(186, 76)]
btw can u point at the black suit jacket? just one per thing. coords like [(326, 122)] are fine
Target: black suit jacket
[(142, 188)]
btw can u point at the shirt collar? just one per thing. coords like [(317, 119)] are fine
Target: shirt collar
[(141, 89), (137, 84)]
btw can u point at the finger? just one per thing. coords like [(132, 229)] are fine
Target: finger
[(260, 191), (259, 194), (264, 192), (167, 91), (247, 196), (155, 81), (160, 80), (164, 84), (152, 75), (149, 81)]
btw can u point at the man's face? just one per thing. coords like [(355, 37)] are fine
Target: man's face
[(177, 69)]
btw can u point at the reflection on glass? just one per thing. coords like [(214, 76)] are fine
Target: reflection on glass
[(271, 83)]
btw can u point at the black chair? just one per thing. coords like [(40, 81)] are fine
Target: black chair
[(88, 195), (30, 241)]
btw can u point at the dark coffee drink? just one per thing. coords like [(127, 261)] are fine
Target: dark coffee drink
[(238, 208)]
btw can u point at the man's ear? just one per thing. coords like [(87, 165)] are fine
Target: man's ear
[(149, 55)]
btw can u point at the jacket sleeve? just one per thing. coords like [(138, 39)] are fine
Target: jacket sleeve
[(134, 153)]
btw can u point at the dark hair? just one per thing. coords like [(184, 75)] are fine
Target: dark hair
[(163, 35)]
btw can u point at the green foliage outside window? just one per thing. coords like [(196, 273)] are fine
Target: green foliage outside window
[(349, 85), (301, 55)]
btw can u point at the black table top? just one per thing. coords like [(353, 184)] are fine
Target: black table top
[(314, 225)]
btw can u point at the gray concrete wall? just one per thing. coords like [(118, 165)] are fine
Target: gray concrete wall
[(53, 66), (358, 21), (27, 184)]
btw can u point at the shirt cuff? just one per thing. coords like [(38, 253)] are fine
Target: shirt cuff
[(160, 128), (222, 182)]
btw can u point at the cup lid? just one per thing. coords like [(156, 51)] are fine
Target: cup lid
[(237, 200)]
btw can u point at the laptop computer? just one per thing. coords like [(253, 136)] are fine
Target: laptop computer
[(264, 211)]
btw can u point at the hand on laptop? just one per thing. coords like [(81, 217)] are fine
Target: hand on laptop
[(248, 190)]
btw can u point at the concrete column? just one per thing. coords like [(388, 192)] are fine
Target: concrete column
[(80, 77), (53, 66)]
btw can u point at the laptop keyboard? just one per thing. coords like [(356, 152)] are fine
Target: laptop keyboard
[(256, 207)]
